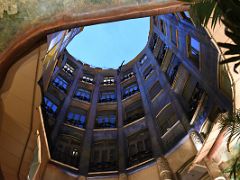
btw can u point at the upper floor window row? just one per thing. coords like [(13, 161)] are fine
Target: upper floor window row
[(193, 50), (142, 60), (108, 80), (60, 83), (106, 121), (130, 90), (148, 71), (163, 27), (87, 78), (172, 69), (83, 94), (76, 119), (128, 76), (109, 96), (153, 41), (162, 53), (68, 69), (49, 106)]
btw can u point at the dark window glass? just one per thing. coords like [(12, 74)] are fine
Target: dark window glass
[(194, 100), (87, 78), (155, 89), (75, 119), (107, 97), (162, 53), (83, 94), (130, 90), (108, 81), (68, 69), (162, 26), (147, 72), (106, 121), (194, 50), (128, 76), (172, 69), (142, 60), (50, 107), (60, 83)]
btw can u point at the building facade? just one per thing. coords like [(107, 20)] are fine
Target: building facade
[(155, 111)]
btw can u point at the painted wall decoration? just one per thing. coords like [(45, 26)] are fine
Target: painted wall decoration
[(17, 16)]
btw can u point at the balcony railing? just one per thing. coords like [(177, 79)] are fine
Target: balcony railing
[(105, 125), (130, 93), (103, 166), (139, 157), (128, 76), (76, 123), (107, 100), (82, 98), (66, 158), (133, 118)]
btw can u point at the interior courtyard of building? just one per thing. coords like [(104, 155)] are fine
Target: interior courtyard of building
[(156, 117)]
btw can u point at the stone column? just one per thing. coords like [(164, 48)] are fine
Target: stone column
[(164, 170), (151, 124), (87, 141), (62, 112), (82, 178), (172, 95), (122, 176), (122, 146), (213, 169)]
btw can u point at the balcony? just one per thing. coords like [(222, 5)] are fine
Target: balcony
[(103, 166), (139, 157), (130, 93), (105, 125), (67, 158), (75, 123), (82, 98), (133, 118)]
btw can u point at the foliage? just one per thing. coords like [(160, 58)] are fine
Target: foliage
[(231, 124), (228, 11)]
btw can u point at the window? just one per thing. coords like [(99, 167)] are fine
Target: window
[(50, 107), (128, 76), (143, 59), (130, 90), (87, 78), (108, 81), (155, 89), (106, 121), (153, 41), (107, 97), (67, 150), (83, 94), (162, 53), (60, 83), (186, 16), (68, 69), (76, 119), (193, 50), (174, 35), (148, 71), (194, 100), (103, 156), (139, 149), (164, 125), (172, 69), (162, 26)]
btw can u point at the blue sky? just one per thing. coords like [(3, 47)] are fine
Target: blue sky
[(107, 45)]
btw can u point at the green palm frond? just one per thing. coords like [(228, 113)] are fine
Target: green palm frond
[(203, 10), (231, 123)]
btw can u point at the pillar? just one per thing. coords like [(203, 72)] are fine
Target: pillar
[(67, 101), (87, 141), (165, 172), (122, 146)]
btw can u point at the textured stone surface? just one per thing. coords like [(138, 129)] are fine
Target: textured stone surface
[(16, 16)]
